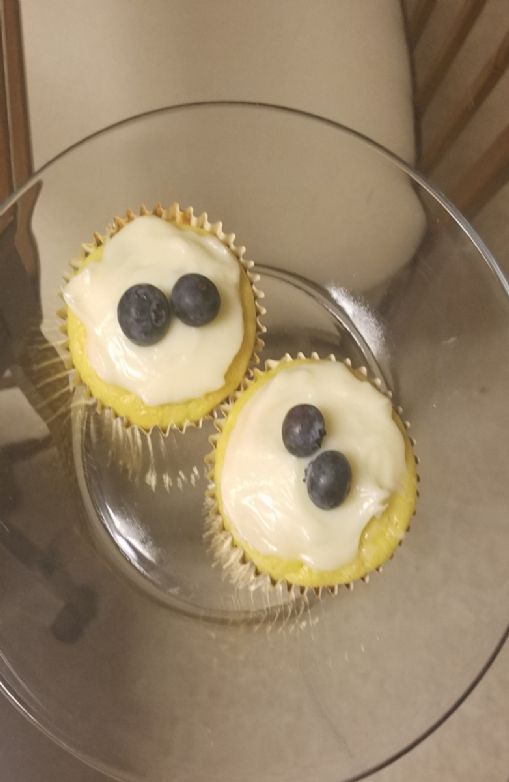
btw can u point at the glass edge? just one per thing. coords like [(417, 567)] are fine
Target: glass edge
[(415, 175)]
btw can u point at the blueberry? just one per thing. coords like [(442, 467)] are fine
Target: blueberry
[(143, 313), (328, 479), (195, 299), (303, 430)]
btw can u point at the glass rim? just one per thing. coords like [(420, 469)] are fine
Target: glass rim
[(437, 194)]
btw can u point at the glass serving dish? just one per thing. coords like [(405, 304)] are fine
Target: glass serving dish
[(117, 636)]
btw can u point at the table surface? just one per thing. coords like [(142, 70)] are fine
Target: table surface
[(472, 745)]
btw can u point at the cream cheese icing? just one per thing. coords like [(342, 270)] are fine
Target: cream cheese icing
[(187, 362), (262, 485)]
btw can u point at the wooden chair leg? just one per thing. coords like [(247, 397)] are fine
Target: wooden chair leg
[(485, 178), (463, 24), (418, 20), (473, 98), (14, 112), (16, 163)]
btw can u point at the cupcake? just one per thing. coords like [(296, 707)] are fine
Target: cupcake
[(162, 317), (312, 476)]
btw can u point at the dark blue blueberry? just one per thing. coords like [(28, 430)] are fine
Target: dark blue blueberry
[(144, 314), (195, 299), (328, 479), (303, 430)]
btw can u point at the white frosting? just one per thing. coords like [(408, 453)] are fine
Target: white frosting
[(188, 362), (262, 487)]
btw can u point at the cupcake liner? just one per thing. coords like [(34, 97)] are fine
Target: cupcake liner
[(237, 568), (173, 214)]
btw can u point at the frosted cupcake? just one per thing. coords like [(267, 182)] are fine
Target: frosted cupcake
[(312, 476), (162, 317)]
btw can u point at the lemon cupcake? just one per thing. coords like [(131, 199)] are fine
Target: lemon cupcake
[(162, 317), (312, 476)]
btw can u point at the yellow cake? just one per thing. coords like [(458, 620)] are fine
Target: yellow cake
[(262, 477), (129, 402)]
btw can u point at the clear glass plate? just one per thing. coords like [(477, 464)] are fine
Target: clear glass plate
[(118, 638)]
